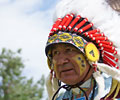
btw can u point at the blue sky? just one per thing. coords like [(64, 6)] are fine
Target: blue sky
[(25, 24)]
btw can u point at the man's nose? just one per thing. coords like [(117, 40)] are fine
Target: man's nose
[(63, 59)]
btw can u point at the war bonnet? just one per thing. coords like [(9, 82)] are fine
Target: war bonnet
[(96, 22)]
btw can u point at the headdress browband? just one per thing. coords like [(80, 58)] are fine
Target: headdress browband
[(78, 25)]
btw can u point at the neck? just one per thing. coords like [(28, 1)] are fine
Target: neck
[(86, 86)]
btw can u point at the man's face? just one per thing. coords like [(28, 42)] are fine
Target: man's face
[(69, 63)]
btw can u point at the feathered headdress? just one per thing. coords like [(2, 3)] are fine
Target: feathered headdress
[(96, 22)]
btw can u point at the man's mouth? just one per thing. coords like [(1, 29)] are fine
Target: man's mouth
[(67, 70)]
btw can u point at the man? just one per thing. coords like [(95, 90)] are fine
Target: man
[(80, 55)]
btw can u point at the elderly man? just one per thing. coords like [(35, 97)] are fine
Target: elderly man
[(80, 56)]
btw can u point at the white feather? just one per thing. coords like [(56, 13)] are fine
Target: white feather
[(118, 53), (101, 86), (97, 11)]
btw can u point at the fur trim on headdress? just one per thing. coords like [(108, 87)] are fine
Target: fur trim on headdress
[(109, 70), (52, 85), (100, 81)]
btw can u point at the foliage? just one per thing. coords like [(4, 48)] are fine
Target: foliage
[(13, 86)]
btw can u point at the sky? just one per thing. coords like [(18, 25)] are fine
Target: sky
[(26, 24)]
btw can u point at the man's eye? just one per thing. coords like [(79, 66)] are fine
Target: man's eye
[(69, 50), (55, 53)]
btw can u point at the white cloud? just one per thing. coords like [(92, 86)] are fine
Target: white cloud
[(28, 5), (26, 31), (4, 1)]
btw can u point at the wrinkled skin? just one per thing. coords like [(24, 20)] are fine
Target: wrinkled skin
[(70, 65)]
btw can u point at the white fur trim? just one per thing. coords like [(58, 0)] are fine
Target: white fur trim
[(55, 84), (109, 70), (49, 87), (101, 86), (52, 86)]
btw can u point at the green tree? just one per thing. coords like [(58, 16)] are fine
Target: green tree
[(13, 86)]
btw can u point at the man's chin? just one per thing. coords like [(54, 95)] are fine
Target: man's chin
[(70, 81)]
